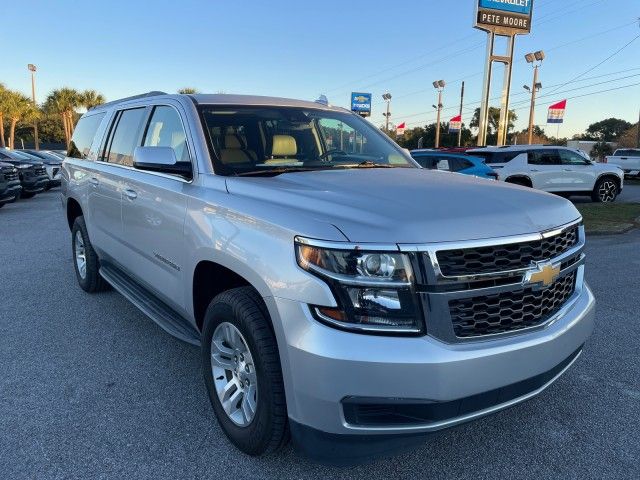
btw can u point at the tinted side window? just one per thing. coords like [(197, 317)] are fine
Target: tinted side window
[(544, 157), (571, 158), (125, 137), (426, 162), (165, 130), (458, 164), (83, 135)]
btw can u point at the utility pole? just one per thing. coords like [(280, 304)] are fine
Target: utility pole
[(532, 108), (439, 85), (32, 69), (638, 140), (461, 104), (535, 86), (387, 98)]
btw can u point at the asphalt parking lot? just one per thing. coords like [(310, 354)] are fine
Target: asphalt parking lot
[(91, 388)]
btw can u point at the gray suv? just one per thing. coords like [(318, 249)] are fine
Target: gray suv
[(340, 294)]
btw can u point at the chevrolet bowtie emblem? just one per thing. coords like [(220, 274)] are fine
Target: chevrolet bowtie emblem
[(542, 274)]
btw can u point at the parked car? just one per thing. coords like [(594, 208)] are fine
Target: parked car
[(32, 173), (10, 188), (628, 159), (453, 162), (52, 163), (337, 291), (554, 169)]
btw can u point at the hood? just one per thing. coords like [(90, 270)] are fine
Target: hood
[(406, 205)]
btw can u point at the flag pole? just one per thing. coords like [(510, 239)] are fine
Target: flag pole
[(461, 103)]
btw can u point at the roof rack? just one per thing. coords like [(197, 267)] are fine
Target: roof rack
[(134, 97)]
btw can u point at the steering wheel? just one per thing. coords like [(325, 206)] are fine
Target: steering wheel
[(324, 155)]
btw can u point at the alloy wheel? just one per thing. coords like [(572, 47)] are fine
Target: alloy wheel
[(81, 256), (607, 191), (234, 374)]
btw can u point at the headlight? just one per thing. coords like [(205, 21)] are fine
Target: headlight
[(23, 166), (373, 288)]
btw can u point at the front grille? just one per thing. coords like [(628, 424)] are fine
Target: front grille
[(509, 311), (40, 171), (10, 174), (497, 258)]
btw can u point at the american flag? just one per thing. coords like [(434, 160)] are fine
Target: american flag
[(556, 112)]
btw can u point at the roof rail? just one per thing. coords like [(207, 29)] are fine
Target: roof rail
[(134, 97)]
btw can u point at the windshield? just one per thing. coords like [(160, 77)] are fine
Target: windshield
[(19, 155), (271, 140)]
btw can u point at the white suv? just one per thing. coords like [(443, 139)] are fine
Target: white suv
[(559, 170)]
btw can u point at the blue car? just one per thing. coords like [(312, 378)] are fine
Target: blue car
[(453, 162)]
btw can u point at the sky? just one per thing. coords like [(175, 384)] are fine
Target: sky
[(301, 49)]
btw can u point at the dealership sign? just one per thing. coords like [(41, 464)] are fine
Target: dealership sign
[(361, 103), (505, 17)]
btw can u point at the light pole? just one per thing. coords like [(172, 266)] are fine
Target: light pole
[(536, 59), (439, 85), (32, 68), (387, 98)]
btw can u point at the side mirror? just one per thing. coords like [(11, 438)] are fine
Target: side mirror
[(160, 159)]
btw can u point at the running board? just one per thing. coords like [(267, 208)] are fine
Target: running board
[(166, 317)]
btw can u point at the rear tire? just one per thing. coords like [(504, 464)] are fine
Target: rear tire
[(27, 194), (85, 259), (237, 321), (606, 190)]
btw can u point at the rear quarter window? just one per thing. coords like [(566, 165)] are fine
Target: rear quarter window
[(83, 135)]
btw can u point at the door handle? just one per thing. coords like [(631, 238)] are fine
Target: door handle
[(535, 170), (568, 170), (94, 181), (131, 194)]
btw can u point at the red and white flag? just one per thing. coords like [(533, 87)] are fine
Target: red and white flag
[(455, 124), (556, 112), (400, 129)]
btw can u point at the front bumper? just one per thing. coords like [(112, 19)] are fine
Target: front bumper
[(35, 185), (324, 367), (11, 193)]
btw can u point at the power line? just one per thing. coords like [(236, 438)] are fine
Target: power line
[(599, 64)]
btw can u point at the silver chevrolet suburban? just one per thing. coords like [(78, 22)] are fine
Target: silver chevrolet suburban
[(340, 294)]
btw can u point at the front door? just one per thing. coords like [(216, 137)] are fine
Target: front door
[(154, 207), (580, 175)]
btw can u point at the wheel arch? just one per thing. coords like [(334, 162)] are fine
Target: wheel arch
[(74, 210), (518, 178)]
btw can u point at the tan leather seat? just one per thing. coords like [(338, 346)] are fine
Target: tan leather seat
[(283, 151), (233, 151)]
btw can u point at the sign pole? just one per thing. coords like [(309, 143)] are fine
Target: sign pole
[(486, 91), (503, 128), (461, 103)]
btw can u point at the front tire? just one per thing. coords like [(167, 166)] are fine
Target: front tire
[(27, 194), (242, 372), (605, 191), (85, 259)]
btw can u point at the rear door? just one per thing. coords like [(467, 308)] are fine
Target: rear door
[(546, 171), (107, 179), (154, 207)]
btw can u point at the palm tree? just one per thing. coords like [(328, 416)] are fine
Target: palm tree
[(188, 90), (3, 97), (90, 98), (18, 107), (64, 102)]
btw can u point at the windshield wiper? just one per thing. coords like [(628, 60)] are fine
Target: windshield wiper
[(275, 171), (366, 164)]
